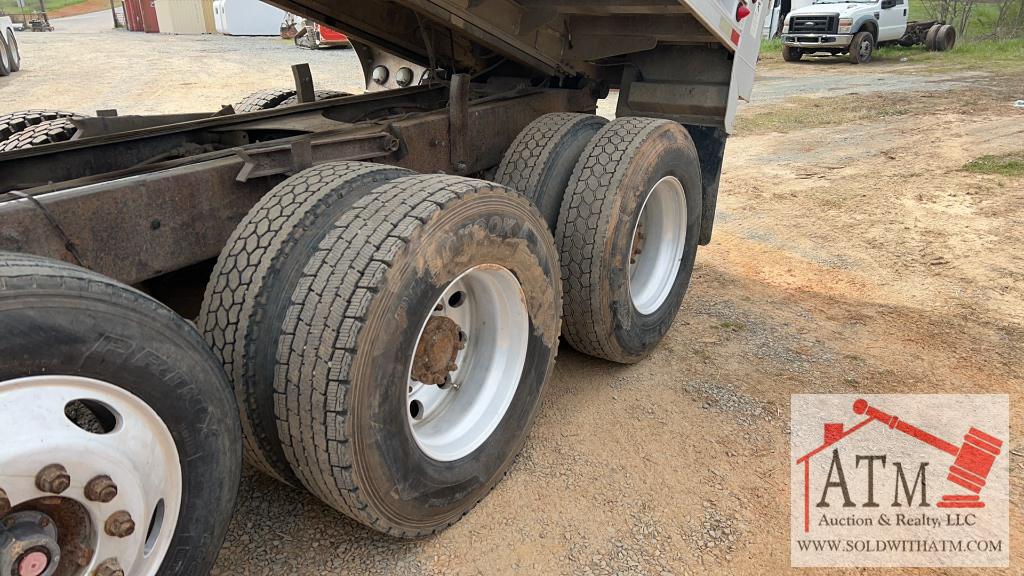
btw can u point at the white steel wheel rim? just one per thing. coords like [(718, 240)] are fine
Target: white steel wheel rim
[(449, 423), (138, 453), (865, 48), (658, 244)]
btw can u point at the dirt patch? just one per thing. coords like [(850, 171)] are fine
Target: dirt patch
[(804, 112), (84, 7)]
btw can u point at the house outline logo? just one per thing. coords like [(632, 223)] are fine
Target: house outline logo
[(973, 460)]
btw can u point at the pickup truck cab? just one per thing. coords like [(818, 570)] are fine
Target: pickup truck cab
[(843, 27)]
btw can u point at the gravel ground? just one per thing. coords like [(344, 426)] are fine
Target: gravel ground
[(85, 65), (679, 464)]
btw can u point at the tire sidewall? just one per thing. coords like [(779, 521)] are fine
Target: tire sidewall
[(168, 369), (945, 38), (556, 173), (930, 36), (413, 489), (274, 297), (13, 52), (5, 57), (638, 333)]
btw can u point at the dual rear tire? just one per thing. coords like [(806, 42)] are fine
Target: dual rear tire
[(940, 37), (366, 367), (276, 98), (627, 226)]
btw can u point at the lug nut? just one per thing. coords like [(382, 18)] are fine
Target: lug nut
[(5, 503), (120, 524), (53, 479), (101, 489), (109, 567)]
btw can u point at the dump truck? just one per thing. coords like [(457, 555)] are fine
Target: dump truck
[(361, 294)]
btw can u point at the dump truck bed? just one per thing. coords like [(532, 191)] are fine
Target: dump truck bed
[(592, 39)]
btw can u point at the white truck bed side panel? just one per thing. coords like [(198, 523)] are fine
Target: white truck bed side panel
[(742, 83)]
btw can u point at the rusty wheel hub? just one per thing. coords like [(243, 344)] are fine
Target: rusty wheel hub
[(28, 545), (102, 493), (467, 362), (638, 242), (658, 246), (437, 350)]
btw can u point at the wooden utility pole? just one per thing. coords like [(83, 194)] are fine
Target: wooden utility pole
[(113, 12)]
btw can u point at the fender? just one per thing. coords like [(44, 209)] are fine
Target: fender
[(866, 20)]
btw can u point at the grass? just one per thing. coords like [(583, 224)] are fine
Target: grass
[(992, 55), (1003, 165), (11, 6), (802, 112), (975, 47)]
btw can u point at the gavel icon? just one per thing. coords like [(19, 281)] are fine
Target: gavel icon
[(973, 459)]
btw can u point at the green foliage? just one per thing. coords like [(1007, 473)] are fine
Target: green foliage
[(11, 6), (995, 55), (1003, 165)]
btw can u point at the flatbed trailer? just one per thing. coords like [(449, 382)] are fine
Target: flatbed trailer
[(378, 282)]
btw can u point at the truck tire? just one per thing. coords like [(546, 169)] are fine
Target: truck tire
[(46, 132), (318, 94), (263, 100), (541, 158), (414, 271), (792, 54), (17, 121), (862, 47), (930, 36), (638, 177), (252, 283), (5, 58), (945, 38), (101, 380), (13, 52)]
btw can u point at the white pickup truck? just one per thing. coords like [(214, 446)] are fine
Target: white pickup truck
[(856, 28), (10, 57)]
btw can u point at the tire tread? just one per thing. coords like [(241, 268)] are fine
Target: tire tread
[(329, 310), (249, 264), (583, 227)]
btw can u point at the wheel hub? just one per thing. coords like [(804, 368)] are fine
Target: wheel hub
[(638, 242), (467, 362), (90, 482), (28, 544), (658, 245), (437, 351)]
